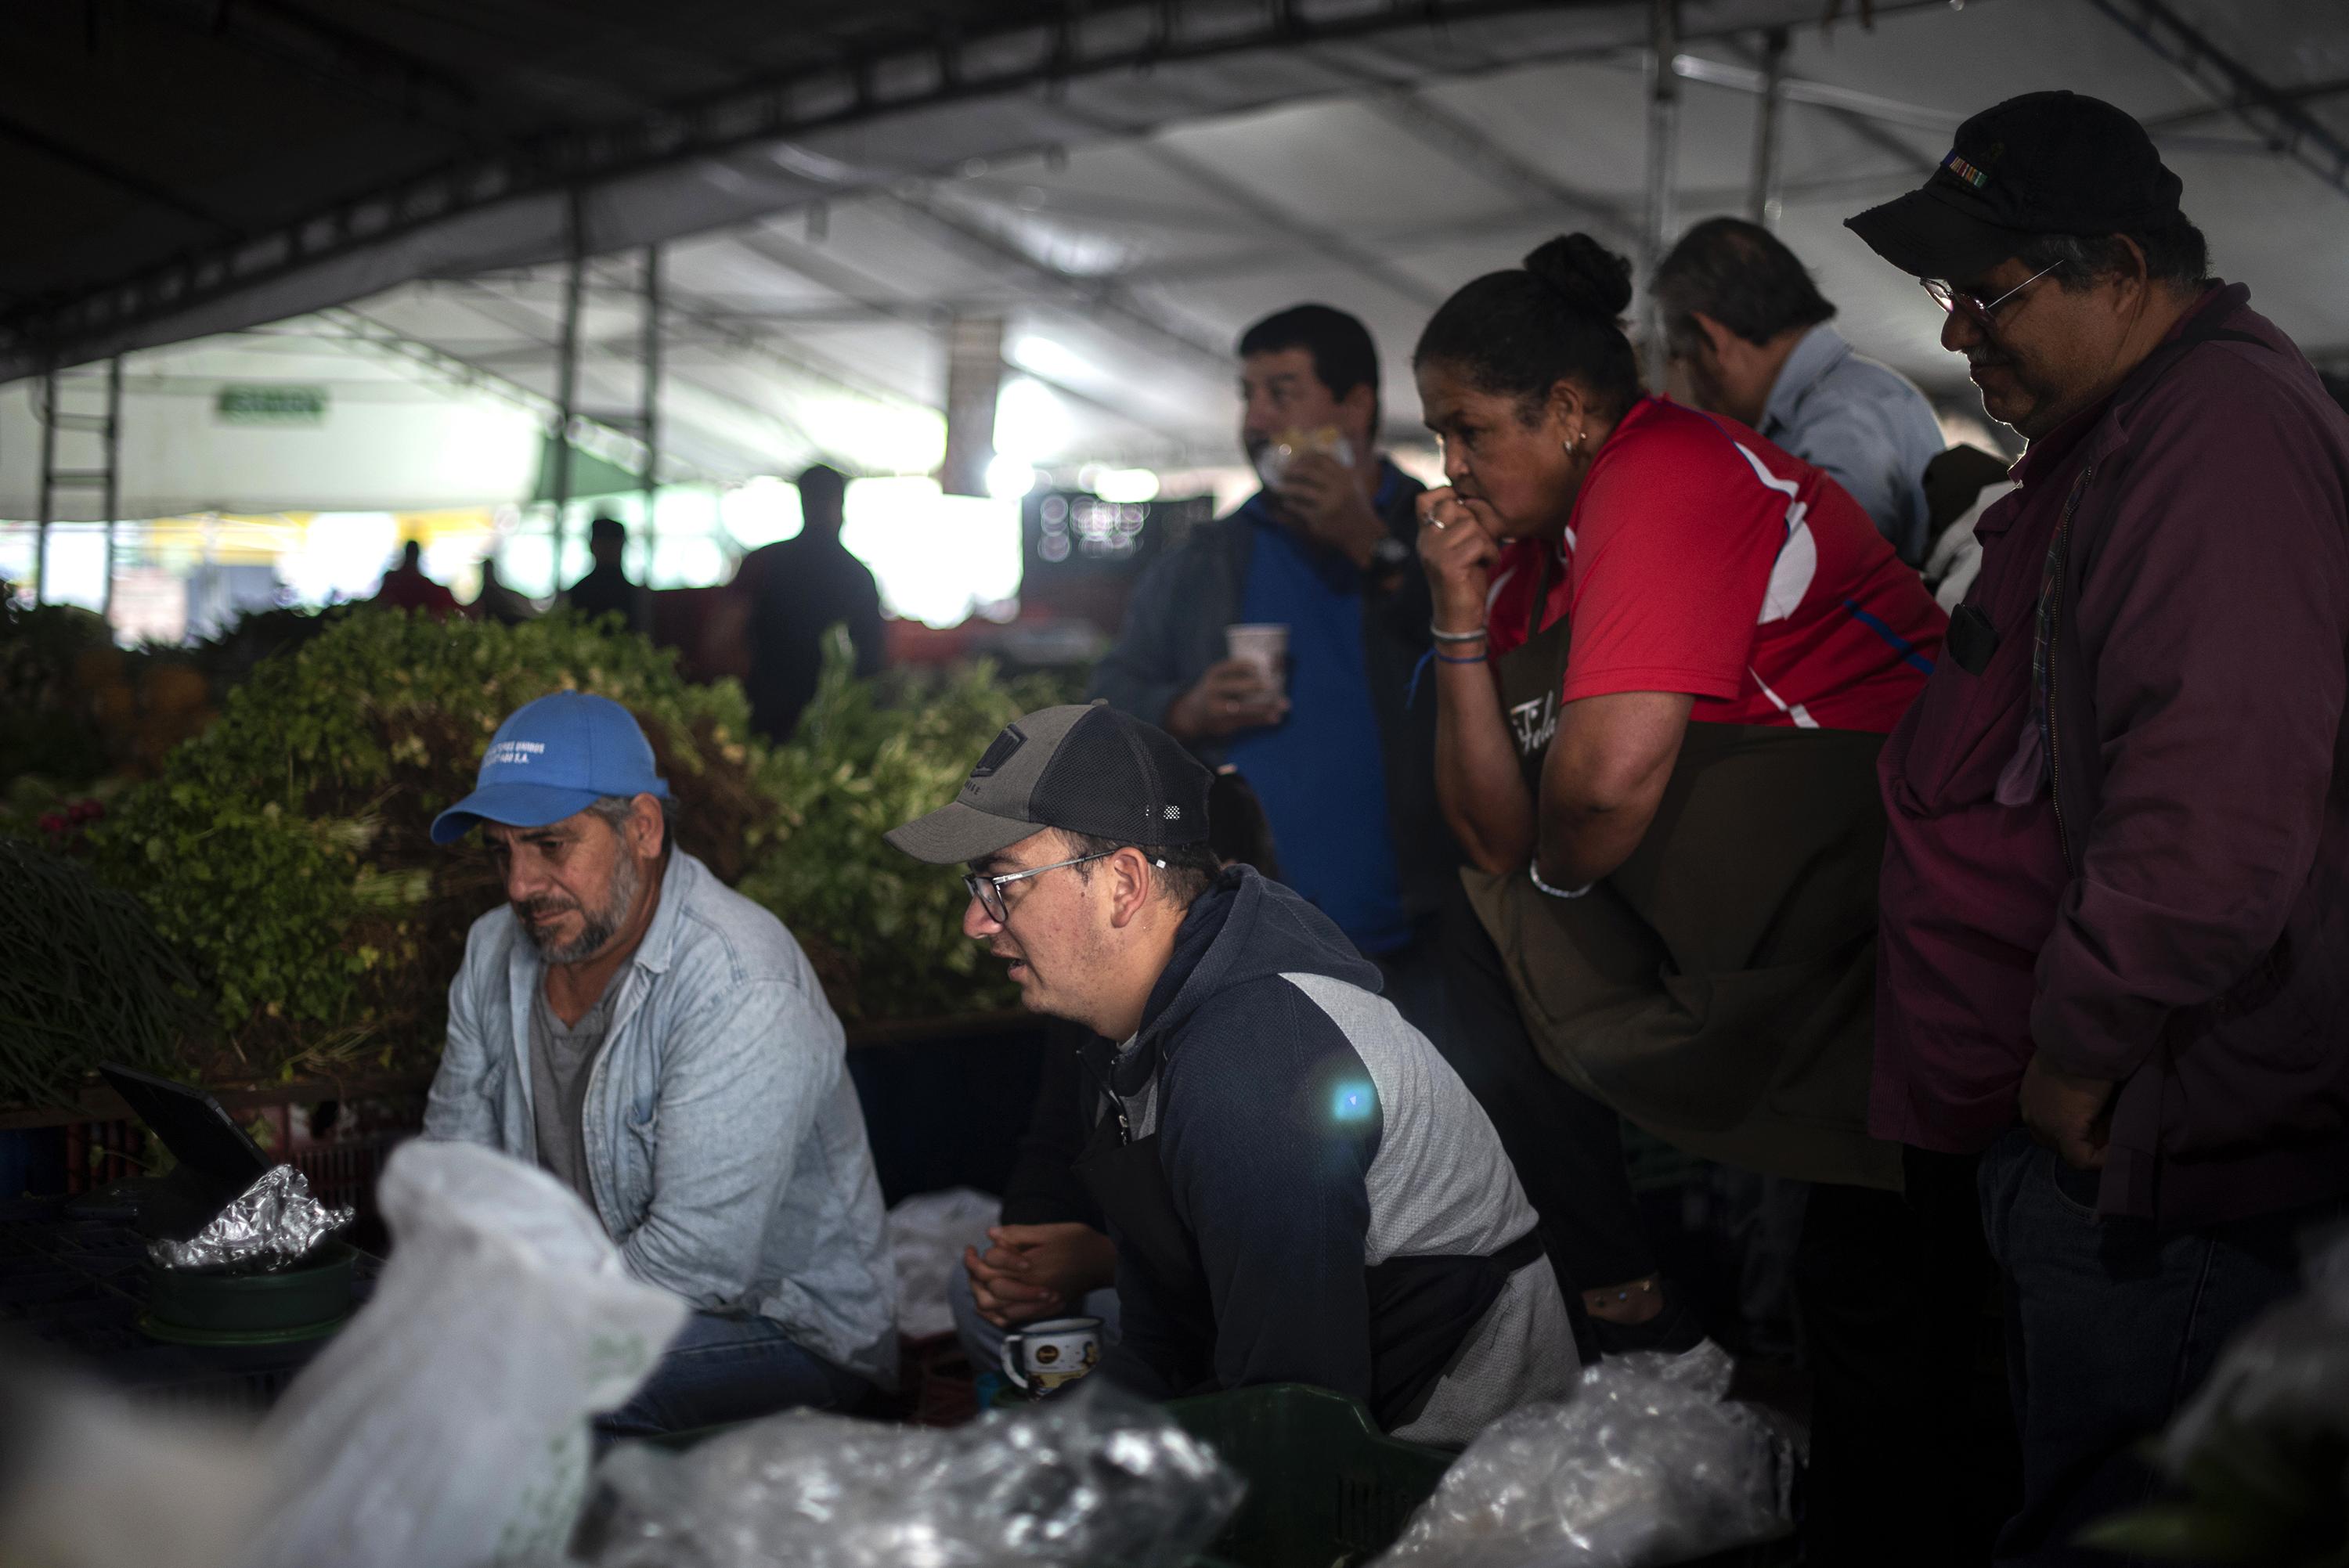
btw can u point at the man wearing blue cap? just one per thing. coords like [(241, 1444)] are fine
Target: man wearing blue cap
[(659, 1044)]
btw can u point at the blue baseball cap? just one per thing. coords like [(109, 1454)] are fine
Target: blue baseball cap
[(551, 759)]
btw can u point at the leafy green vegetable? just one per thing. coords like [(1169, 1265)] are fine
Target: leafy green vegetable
[(2251, 1496), (46, 730), (285, 851), (868, 756), (287, 848), (84, 978)]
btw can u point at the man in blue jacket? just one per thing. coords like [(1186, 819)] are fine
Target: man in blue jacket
[(1300, 1187), (1344, 760)]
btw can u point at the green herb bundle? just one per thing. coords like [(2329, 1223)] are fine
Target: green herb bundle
[(285, 849), (84, 978), (868, 755)]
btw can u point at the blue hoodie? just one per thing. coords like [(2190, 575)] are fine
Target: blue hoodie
[(1343, 1213)]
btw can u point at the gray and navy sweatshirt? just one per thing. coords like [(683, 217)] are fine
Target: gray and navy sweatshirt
[(1327, 1203)]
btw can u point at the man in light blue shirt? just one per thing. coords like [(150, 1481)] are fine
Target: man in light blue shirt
[(661, 1045), (1749, 336)]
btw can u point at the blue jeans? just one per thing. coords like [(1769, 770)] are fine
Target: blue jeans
[(723, 1369), (2111, 1325)]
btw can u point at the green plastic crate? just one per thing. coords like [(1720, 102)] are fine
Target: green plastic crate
[(1326, 1487)]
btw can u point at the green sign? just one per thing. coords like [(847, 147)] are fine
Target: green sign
[(271, 403)]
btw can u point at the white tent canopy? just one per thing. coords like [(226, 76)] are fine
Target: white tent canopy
[(1126, 224)]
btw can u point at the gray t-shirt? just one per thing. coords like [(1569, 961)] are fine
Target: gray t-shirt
[(560, 1058)]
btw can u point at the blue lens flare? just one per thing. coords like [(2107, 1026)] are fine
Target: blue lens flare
[(1353, 1102)]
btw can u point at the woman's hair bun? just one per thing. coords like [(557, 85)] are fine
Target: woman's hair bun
[(1591, 278)]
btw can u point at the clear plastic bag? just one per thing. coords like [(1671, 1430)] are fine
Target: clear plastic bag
[(1095, 1478), (2257, 1454), (2287, 1374), (927, 1235), (447, 1426), (1646, 1465), (88, 1479)]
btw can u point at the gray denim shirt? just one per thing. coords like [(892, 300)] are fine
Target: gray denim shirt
[(724, 1143), (1866, 425)]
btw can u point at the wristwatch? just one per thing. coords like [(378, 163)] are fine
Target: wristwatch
[(1390, 554)]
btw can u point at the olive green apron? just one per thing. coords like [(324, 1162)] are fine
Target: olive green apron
[(1717, 989)]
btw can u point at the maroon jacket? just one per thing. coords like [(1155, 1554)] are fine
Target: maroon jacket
[(2175, 913)]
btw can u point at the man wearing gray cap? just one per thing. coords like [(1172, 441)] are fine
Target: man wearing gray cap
[(659, 1044), (2113, 936), (1300, 1187)]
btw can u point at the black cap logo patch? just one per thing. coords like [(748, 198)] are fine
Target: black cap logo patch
[(997, 753)]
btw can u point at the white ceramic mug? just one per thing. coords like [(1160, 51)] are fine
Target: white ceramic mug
[(1039, 1356)]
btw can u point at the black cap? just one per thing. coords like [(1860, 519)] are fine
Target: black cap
[(2044, 163), (1089, 770)]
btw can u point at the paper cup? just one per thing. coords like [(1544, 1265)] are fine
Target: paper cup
[(1265, 646)]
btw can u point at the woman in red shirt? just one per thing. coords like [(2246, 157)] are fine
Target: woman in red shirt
[(1669, 654)]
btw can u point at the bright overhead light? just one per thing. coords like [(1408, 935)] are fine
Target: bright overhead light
[(1010, 478), (764, 510), (1031, 423), (1126, 485), (1050, 357), (935, 557)]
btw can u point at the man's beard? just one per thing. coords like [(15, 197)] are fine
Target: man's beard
[(598, 925)]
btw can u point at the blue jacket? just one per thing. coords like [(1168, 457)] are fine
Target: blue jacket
[(724, 1142), (1173, 631)]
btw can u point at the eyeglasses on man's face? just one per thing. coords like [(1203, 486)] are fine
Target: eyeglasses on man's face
[(989, 890), (1982, 312)]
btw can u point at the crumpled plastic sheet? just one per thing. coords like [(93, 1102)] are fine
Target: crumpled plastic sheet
[(272, 1224), (927, 1235), (447, 1426), (1648, 1464), (2288, 1373), (1095, 1477)]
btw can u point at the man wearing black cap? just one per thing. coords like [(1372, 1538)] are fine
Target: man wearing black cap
[(2113, 935), (1300, 1187)]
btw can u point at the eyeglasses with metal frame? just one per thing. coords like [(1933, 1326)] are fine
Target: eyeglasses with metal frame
[(989, 890), (1984, 313)]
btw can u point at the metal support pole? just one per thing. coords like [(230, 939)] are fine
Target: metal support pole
[(1764, 205), (1663, 150), (566, 393), (113, 474), (649, 417), (48, 484)]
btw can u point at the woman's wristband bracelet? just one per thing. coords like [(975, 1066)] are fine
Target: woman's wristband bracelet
[(1441, 635), (1456, 658), (1534, 871)]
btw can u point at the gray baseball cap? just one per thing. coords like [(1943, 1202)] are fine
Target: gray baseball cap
[(1084, 769)]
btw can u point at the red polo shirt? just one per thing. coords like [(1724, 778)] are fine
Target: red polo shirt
[(1702, 559)]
